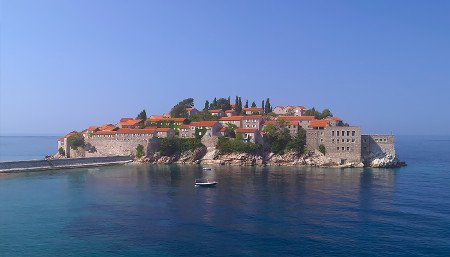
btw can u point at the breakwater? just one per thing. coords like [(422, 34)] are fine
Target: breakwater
[(35, 165)]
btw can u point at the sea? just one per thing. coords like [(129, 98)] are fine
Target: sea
[(155, 210)]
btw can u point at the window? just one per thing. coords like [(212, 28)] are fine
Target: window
[(332, 133), (348, 140), (353, 133), (321, 140), (337, 133), (332, 140), (348, 133), (337, 140), (353, 140), (348, 148), (343, 148), (337, 148)]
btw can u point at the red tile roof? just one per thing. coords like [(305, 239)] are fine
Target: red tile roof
[(184, 126), (223, 129), (229, 111), (163, 129), (203, 124), (107, 127), (135, 131), (252, 117), (232, 118), (92, 128), (129, 122), (68, 135), (214, 111), (125, 119), (334, 118), (246, 130), (318, 123), (156, 118)]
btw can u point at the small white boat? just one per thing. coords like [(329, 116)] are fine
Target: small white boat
[(205, 183), (207, 168)]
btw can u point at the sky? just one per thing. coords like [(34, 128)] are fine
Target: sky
[(67, 65)]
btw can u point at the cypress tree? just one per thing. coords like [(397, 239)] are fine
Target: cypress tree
[(268, 107), (246, 104), (262, 106), (206, 105), (253, 104), (214, 104)]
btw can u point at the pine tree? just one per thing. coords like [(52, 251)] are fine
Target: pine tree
[(206, 105), (142, 115), (246, 104), (214, 104), (253, 104), (229, 101)]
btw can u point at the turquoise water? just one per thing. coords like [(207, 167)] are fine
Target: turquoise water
[(150, 210)]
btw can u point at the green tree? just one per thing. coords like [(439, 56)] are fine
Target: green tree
[(76, 140), (179, 110), (322, 149), (223, 104), (277, 136), (298, 143), (142, 115), (262, 106), (326, 113), (139, 151), (238, 107), (213, 105), (61, 151), (253, 104), (268, 108), (231, 129), (246, 104), (206, 105)]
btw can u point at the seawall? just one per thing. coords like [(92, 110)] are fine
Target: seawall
[(36, 165)]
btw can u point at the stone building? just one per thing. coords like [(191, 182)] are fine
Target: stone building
[(218, 112), (250, 135), (252, 121), (192, 112), (290, 110), (235, 120), (343, 144), (374, 146), (204, 128)]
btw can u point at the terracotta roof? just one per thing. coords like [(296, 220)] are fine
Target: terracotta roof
[(105, 133), (232, 118), (318, 123), (130, 122), (299, 118), (253, 109), (151, 127), (246, 130), (214, 111), (163, 129), (189, 108), (203, 124), (125, 119), (135, 131), (229, 111), (68, 135), (92, 128), (156, 118), (184, 126), (107, 127), (274, 122), (223, 129), (167, 115)]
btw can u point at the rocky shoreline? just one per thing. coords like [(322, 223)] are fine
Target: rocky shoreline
[(209, 156)]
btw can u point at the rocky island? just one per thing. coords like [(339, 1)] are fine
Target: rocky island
[(223, 133)]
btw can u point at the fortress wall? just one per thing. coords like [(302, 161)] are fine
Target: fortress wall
[(377, 145)]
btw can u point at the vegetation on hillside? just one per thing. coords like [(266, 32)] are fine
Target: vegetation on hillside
[(76, 140), (226, 145), (171, 146)]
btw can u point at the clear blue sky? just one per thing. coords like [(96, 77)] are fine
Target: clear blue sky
[(382, 65)]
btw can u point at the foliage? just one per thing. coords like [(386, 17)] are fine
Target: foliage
[(268, 107), (298, 143), (199, 132), (223, 104), (203, 116), (277, 137), (139, 151), (238, 105), (253, 104), (142, 115), (318, 115), (170, 146), (231, 129), (226, 145), (263, 107), (76, 140), (246, 104), (322, 149), (206, 105), (179, 110), (61, 151)]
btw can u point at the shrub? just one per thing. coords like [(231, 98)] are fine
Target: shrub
[(297, 143), (226, 145), (322, 149), (139, 151), (170, 146), (61, 151), (76, 140)]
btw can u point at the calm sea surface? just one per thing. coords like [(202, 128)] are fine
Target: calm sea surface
[(149, 210)]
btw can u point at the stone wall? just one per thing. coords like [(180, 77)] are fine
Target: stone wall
[(342, 144), (210, 141), (96, 147), (375, 146)]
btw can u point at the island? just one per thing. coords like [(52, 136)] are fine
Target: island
[(226, 133)]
